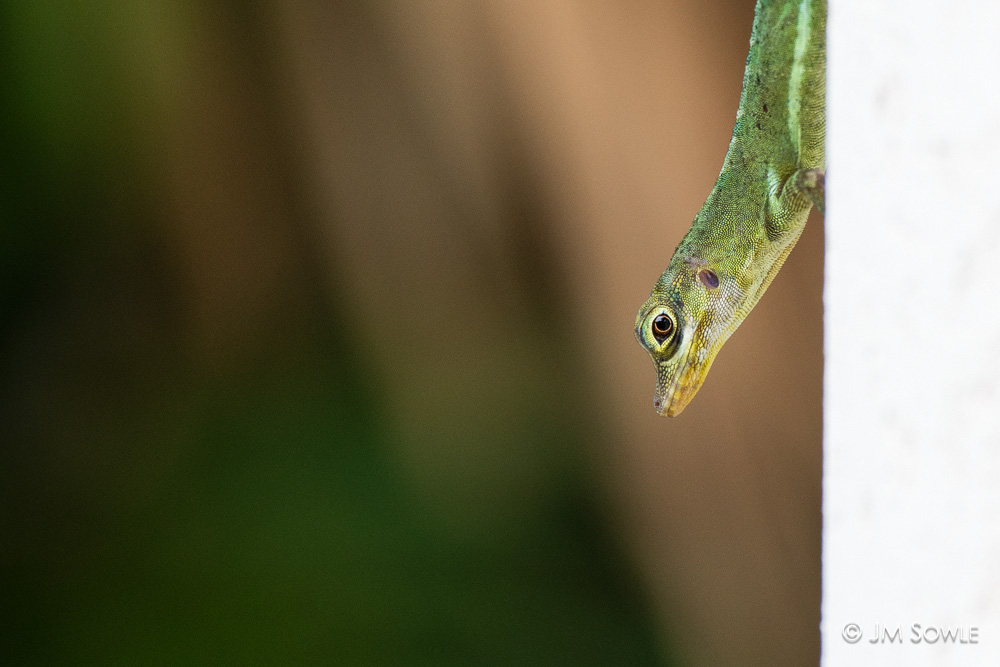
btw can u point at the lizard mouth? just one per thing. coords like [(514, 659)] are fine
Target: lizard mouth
[(678, 382)]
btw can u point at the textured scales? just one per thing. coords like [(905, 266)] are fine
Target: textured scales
[(772, 176)]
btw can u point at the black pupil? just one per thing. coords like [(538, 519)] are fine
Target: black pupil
[(662, 326)]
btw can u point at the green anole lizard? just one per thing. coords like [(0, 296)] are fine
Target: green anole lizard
[(773, 174)]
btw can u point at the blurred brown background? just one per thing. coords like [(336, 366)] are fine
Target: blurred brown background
[(316, 341)]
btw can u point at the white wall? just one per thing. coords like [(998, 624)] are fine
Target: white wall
[(912, 386)]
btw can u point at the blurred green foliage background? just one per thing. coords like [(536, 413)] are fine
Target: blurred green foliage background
[(305, 351)]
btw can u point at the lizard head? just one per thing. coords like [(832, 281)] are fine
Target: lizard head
[(692, 311)]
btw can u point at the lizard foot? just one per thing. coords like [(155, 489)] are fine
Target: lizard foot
[(812, 183)]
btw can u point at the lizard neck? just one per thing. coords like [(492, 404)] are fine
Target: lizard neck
[(748, 225)]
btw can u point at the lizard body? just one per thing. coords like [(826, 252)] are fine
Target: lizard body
[(772, 176)]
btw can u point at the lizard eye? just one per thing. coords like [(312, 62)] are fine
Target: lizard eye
[(663, 326)]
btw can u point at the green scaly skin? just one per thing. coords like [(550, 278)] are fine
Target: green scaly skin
[(772, 176)]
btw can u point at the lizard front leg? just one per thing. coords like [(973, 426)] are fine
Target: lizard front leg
[(811, 183), (789, 201)]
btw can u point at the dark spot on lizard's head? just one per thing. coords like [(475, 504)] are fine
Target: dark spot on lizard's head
[(765, 108), (758, 124), (758, 79), (709, 278)]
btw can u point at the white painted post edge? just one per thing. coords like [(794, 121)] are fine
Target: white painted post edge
[(911, 483)]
